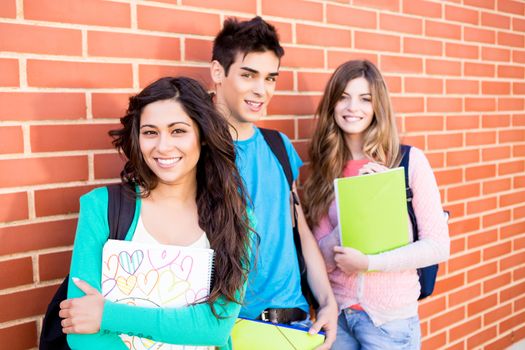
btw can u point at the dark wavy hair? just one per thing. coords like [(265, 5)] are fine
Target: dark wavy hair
[(255, 35), (221, 199)]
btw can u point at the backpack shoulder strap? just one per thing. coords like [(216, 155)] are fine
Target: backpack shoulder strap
[(274, 140), (121, 210), (405, 161)]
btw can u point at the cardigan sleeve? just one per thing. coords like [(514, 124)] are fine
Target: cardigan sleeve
[(433, 245)]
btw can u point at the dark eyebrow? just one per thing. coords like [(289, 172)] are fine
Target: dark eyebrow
[(169, 125), (347, 94), (274, 74)]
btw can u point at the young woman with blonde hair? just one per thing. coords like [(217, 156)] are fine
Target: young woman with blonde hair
[(356, 134)]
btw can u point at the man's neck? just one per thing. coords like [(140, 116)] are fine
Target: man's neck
[(241, 131)]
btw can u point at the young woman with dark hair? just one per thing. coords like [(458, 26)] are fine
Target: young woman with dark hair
[(181, 168)]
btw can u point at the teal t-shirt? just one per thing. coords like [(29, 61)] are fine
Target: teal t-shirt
[(275, 280)]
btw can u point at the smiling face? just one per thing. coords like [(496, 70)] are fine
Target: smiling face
[(169, 142), (354, 111), (245, 92)]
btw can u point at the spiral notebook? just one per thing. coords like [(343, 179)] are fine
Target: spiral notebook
[(155, 275)]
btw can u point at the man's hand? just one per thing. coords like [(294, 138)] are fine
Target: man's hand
[(327, 320), (82, 315)]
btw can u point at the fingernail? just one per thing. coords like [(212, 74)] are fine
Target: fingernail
[(75, 279)]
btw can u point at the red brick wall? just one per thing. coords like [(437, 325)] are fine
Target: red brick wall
[(455, 68)]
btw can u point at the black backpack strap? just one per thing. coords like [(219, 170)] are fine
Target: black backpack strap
[(121, 210), (275, 141), (405, 151)]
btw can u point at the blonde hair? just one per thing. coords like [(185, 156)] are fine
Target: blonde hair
[(328, 151)]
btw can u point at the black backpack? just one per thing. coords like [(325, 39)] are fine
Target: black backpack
[(121, 209), (274, 140), (428, 274)]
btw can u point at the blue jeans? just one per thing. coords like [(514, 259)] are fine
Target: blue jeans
[(355, 331)]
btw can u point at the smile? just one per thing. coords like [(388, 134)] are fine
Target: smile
[(167, 162), (254, 105), (351, 118)]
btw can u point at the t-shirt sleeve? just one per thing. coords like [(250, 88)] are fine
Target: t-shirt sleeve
[(293, 156)]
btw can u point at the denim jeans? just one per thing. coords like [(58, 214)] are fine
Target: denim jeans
[(355, 331)]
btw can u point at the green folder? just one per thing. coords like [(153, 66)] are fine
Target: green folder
[(372, 211), (259, 335)]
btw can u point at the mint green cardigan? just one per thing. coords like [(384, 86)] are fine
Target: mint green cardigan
[(191, 325)]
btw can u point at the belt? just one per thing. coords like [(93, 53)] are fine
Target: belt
[(282, 315)]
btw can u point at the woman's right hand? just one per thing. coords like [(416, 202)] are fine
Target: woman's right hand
[(326, 245), (82, 315)]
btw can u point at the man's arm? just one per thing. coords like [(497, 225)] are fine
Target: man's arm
[(318, 281)]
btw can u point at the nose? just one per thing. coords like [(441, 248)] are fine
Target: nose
[(351, 104), (259, 87), (164, 142)]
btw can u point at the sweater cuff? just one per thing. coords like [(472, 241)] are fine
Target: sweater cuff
[(375, 263)]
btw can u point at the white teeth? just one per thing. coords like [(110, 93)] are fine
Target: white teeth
[(254, 104), (351, 118), (167, 161)]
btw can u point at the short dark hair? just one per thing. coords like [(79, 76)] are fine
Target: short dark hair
[(255, 35)]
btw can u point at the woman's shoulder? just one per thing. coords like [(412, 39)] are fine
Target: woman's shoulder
[(96, 196)]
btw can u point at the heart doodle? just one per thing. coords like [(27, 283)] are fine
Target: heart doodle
[(111, 267), (172, 289), (183, 270), (146, 282), (126, 285), (131, 263), (162, 259), (108, 286), (193, 297)]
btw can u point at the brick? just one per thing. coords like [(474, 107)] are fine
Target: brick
[(488, 4), (518, 88), (43, 73), (285, 81), (464, 226), (302, 57), (497, 282), (483, 238), (457, 245), (463, 191), (510, 39), (436, 160), (435, 341), (482, 205), (432, 306), (444, 141), (480, 138), (72, 137), (9, 69), (177, 21), (441, 67), (461, 51), (375, 41), (287, 126), (442, 30), (321, 36), (514, 229), (496, 186), (480, 104), (23, 106), (422, 46), (481, 337), (497, 315), (15, 305), (496, 218), (495, 54), (249, 6), (511, 104), (518, 274), (54, 265), (401, 64), (198, 50), (503, 342), (396, 23), (312, 81), (34, 171), (495, 87), (293, 104), (518, 24), (8, 9), (518, 213), (284, 30), (495, 20), (514, 321), (518, 56), (391, 5), (460, 14), (444, 104), (428, 123), (108, 166), (109, 105), (511, 167), (463, 295), (511, 72), (495, 121), (511, 6), (422, 8), (511, 136), (518, 151), (462, 122), (414, 140), (487, 36), (65, 200), (296, 9), (92, 12), (448, 176), (24, 238), (150, 73), (16, 272), (424, 85), (510, 262), (464, 329), (450, 317), (409, 105), (20, 336), (40, 39), (336, 58), (360, 18), (13, 206), (480, 172), (495, 153), (512, 292), (481, 305), (462, 262), (481, 272), (305, 128), (108, 44), (479, 69), (302, 149), (12, 140), (454, 86)]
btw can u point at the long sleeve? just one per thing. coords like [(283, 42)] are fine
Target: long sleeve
[(433, 245), (196, 324)]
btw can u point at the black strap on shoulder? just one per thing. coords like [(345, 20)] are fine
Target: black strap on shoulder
[(121, 210), (275, 141), (405, 151)]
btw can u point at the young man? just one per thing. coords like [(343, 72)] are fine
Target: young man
[(244, 69)]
